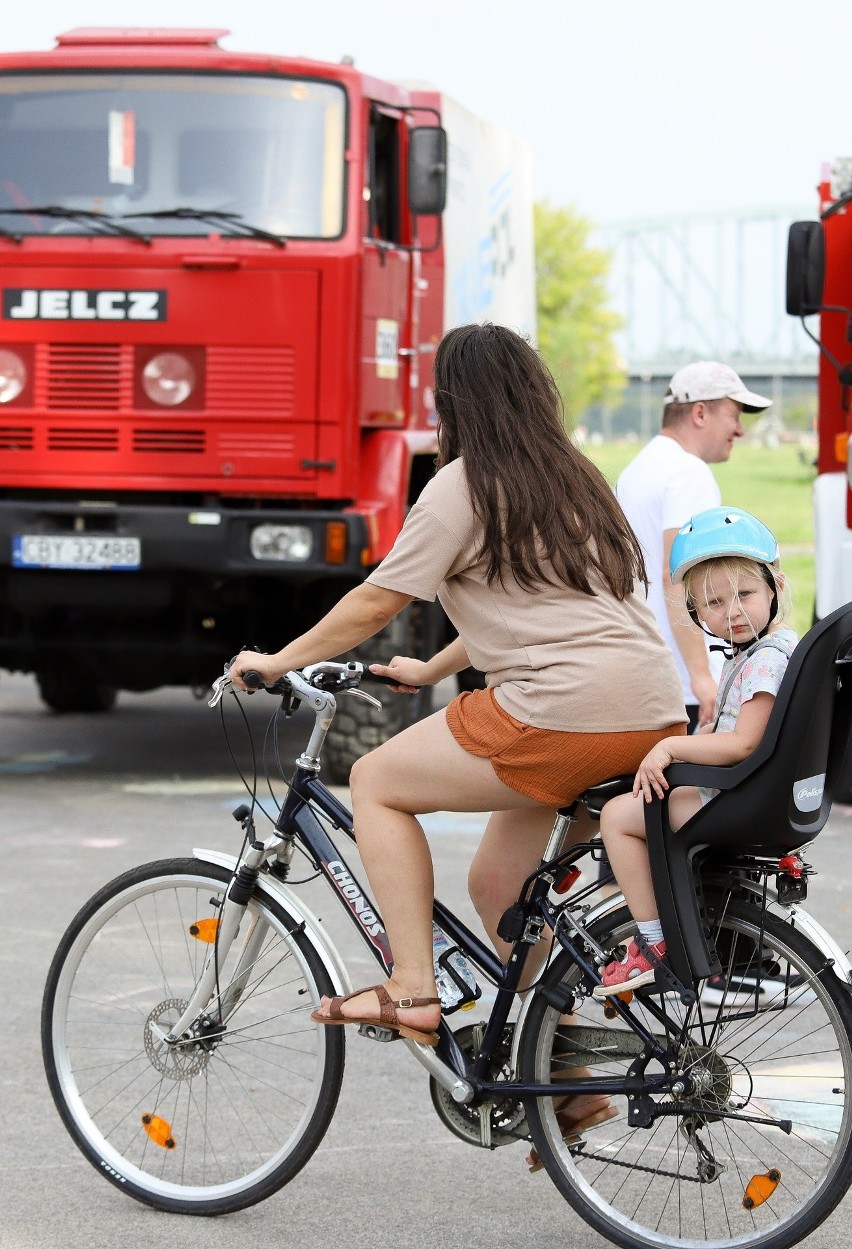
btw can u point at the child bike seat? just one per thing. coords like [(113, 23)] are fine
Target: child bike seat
[(775, 801)]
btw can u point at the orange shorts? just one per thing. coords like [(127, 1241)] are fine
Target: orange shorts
[(546, 765)]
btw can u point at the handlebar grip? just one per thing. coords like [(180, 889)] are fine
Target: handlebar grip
[(253, 679), (382, 680)]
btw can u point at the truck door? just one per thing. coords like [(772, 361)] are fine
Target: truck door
[(386, 278)]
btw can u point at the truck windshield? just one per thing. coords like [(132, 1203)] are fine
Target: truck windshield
[(269, 149)]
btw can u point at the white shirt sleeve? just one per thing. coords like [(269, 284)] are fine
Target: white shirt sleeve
[(693, 489)]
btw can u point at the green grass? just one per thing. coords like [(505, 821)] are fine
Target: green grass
[(773, 484)]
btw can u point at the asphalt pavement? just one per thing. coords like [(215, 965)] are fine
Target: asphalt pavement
[(83, 798)]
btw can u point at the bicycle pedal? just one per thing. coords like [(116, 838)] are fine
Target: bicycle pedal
[(374, 1032)]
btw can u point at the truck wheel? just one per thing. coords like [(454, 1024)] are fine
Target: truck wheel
[(71, 691), (358, 728)]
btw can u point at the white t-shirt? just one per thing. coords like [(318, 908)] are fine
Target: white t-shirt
[(660, 489)]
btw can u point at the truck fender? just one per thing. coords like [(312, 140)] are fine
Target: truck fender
[(295, 907), (801, 919)]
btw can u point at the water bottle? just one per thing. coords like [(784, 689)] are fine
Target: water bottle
[(454, 976)]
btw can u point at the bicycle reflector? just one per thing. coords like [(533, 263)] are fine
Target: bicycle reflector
[(760, 1188), (204, 930), (564, 882), (159, 1130)]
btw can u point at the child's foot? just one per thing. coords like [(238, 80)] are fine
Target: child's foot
[(638, 968)]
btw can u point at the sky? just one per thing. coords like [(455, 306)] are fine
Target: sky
[(632, 108)]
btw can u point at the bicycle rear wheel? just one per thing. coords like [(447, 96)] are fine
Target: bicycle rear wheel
[(757, 1149), (219, 1123)]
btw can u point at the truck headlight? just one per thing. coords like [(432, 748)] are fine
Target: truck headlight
[(13, 375), (281, 542), (168, 379)]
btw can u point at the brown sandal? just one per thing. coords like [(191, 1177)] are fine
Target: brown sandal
[(572, 1127), (388, 1018)]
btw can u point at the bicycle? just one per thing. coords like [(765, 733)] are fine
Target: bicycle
[(182, 1060)]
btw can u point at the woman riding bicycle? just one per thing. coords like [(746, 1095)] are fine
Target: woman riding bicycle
[(522, 540)]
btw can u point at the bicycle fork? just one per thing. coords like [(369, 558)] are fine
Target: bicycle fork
[(233, 908)]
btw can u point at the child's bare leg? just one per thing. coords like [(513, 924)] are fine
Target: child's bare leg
[(623, 834)]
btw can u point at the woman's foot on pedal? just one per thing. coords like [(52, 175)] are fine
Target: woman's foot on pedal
[(413, 1017), (638, 968)]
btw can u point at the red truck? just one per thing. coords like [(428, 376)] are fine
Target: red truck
[(224, 276), (819, 281)]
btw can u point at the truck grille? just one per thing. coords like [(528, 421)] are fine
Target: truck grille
[(84, 376), (72, 438), (84, 418), (255, 382), (169, 440), (16, 438)]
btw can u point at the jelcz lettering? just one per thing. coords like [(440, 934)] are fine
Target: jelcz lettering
[(60, 304)]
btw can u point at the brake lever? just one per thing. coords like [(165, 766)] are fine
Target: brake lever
[(368, 698), (219, 686)]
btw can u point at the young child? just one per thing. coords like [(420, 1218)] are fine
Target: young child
[(727, 561)]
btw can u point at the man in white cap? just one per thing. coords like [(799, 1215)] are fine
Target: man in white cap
[(669, 481)]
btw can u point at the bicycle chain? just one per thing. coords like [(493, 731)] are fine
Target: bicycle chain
[(637, 1166)]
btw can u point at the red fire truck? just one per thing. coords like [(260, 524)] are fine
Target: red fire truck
[(224, 276), (819, 280)]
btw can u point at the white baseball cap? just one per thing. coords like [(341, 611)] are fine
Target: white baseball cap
[(708, 379)]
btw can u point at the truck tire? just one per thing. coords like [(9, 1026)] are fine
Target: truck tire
[(359, 728), (62, 690)]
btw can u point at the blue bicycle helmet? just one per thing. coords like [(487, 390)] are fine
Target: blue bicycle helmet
[(718, 532), (721, 532)]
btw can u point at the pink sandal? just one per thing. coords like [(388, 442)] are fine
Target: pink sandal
[(638, 968)]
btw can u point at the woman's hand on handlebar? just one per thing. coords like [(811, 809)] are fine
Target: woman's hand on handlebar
[(252, 661), (408, 674)]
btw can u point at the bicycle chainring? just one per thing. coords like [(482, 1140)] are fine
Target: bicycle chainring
[(508, 1119)]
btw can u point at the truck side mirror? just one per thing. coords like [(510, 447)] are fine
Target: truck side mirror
[(427, 169), (805, 268)]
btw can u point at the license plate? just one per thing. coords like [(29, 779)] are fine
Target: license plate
[(42, 550)]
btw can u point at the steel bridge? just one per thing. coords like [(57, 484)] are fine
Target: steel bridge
[(705, 286)]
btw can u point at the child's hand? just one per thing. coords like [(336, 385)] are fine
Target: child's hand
[(649, 778)]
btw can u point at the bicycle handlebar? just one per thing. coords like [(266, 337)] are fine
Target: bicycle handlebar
[(255, 681)]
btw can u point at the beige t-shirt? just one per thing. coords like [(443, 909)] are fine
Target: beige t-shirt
[(557, 658)]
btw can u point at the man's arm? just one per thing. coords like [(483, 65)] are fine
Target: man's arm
[(689, 639)]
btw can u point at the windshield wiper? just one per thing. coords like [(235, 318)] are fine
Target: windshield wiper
[(232, 221), (107, 223)]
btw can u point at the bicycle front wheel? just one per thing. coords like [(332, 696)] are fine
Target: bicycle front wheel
[(222, 1121), (753, 1144)]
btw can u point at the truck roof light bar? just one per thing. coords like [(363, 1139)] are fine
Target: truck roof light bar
[(136, 35)]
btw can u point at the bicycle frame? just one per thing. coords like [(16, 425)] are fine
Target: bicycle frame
[(298, 820)]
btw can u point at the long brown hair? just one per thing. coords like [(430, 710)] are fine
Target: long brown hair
[(539, 499)]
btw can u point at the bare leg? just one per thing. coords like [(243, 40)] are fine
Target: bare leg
[(512, 847), (422, 769), (623, 834)]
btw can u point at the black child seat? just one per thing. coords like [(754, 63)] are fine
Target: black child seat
[(772, 803)]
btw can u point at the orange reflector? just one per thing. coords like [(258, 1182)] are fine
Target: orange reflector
[(841, 448), (205, 930), (760, 1188), (609, 1010), (336, 535), (159, 1130)]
